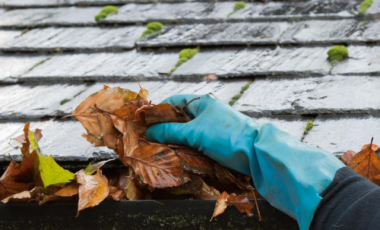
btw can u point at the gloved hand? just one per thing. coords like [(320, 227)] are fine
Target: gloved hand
[(286, 172)]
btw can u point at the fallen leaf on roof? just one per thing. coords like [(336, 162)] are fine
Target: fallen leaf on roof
[(347, 156), (221, 205), (367, 164)]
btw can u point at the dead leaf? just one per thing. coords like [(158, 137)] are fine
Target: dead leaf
[(91, 168), (26, 196), (241, 203), (221, 205), (164, 113), (158, 166), (367, 164), (93, 189), (195, 161), (227, 177), (347, 156)]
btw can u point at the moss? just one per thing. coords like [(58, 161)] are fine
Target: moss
[(152, 28), (40, 63), (64, 101), (238, 96), (238, 6), (105, 12), (184, 56), (337, 54), (308, 127), (364, 7)]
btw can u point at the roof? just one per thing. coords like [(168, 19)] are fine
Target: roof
[(53, 54)]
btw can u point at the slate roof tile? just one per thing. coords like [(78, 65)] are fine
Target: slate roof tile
[(281, 46), (78, 39), (339, 134), (318, 95)]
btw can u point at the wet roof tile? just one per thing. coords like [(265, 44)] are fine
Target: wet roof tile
[(264, 61), (13, 66), (78, 39), (318, 95), (218, 34), (21, 101), (280, 45), (103, 66), (340, 134)]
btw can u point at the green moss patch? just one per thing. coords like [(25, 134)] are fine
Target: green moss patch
[(308, 127), (184, 56), (152, 28), (238, 6), (337, 54), (64, 101), (238, 96), (364, 7), (105, 12)]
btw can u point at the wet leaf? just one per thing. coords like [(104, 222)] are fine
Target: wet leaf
[(69, 190), (53, 174), (221, 205), (241, 203), (164, 113), (195, 161), (93, 189), (108, 99), (367, 164), (227, 177), (158, 166)]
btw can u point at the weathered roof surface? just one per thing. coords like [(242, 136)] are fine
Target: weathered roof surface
[(53, 54)]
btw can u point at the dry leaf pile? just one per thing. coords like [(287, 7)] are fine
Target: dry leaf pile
[(118, 118)]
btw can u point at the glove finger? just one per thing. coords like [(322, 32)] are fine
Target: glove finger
[(182, 100), (169, 133)]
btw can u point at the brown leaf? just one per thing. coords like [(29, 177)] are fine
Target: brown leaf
[(367, 164), (347, 156), (109, 134), (158, 166), (26, 196), (208, 192), (227, 177), (93, 189), (374, 147), (164, 113), (107, 99), (195, 161), (221, 205), (21, 138), (241, 203), (70, 190)]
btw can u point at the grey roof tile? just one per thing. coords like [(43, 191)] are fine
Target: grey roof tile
[(330, 94), (56, 3), (341, 134), (375, 8), (21, 101), (103, 66), (49, 16), (78, 39), (294, 127), (62, 139), (12, 66), (304, 61), (362, 60), (8, 35), (332, 31), (304, 9), (180, 12), (218, 34)]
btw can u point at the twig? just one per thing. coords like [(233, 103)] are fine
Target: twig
[(188, 103)]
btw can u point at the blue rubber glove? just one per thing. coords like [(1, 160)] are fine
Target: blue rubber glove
[(286, 172)]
